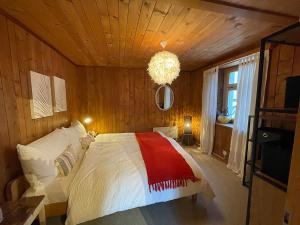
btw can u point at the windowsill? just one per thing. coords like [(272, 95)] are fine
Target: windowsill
[(230, 125)]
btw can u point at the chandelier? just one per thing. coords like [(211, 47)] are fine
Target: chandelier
[(164, 66)]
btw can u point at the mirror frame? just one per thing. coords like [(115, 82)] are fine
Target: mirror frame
[(156, 96)]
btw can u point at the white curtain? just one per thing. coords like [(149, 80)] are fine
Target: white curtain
[(209, 109), (246, 98)]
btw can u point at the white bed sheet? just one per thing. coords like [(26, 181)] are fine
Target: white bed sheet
[(113, 178)]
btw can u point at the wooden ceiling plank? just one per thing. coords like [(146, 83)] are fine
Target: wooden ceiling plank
[(290, 7), (105, 21), (166, 26), (102, 6), (231, 45), (66, 11), (96, 32), (123, 16), (159, 13), (39, 10), (30, 20), (236, 10), (173, 33), (121, 32), (87, 33), (170, 19), (197, 37), (146, 12), (113, 12), (65, 17), (133, 18), (190, 22), (210, 24)]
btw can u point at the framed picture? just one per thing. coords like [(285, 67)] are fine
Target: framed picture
[(60, 94), (41, 102)]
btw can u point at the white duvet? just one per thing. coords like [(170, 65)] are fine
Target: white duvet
[(113, 178)]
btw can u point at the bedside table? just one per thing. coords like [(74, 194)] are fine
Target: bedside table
[(24, 211), (187, 139)]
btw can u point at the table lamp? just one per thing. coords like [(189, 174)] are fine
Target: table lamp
[(187, 125)]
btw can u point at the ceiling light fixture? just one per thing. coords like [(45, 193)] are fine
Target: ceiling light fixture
[(164, 66)]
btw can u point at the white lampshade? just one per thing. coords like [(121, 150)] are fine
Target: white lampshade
[(164, 67)]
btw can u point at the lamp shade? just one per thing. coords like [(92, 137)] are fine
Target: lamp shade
[(87, 120), (164, 67), (188, 124)]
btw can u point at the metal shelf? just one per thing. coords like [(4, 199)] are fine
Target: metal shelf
[(250, 163), (271, 180), (287, 118), (289, 35), (247, 183), (280, 110)]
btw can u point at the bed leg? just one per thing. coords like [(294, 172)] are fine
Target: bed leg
[(194, 198), (42, 216)]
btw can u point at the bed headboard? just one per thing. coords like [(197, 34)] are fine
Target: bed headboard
[(171, 132), (16, 188)]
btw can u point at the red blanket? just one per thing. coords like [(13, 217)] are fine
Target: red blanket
[(166, 168)]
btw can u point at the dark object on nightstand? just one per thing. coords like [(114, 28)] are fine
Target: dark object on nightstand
[(187, 139), (24, 211)]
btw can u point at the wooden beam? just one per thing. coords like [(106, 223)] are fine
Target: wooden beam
[(236, 10)]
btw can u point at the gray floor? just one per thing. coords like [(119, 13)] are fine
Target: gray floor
[(227, 208)]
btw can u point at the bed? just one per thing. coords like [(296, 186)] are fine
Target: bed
[(112, 177)]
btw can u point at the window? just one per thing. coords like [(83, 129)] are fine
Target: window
[(230, 91)]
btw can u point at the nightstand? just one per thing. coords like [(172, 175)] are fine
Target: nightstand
[(24, 211), (187, 139)]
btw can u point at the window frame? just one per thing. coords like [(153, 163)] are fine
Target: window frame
[(226, 86)]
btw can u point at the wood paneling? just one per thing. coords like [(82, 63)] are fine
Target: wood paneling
[(127, 33), (196, 103), (20, 53), (122, 100), (237, 10), (267, 204), (293, 195), (291, 7), (284, 63), (222, 141)]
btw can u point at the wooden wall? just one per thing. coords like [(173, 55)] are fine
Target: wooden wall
[(196, 104), (122, 100), (293, 195), (284, 62), (21, 52), (269, 203)]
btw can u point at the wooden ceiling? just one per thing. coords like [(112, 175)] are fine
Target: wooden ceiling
[(127, 33), (289, 7)]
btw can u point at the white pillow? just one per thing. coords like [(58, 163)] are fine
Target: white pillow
[(74, 133), (37, 158), (38, 166), (53, 144), (79, 127)]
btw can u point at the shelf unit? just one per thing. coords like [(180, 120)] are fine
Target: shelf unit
[(287, 36), (248, 163)]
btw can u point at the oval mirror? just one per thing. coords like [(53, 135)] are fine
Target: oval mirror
[(164, 97)]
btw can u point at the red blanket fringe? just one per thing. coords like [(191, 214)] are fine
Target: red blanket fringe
[(166, 168)]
